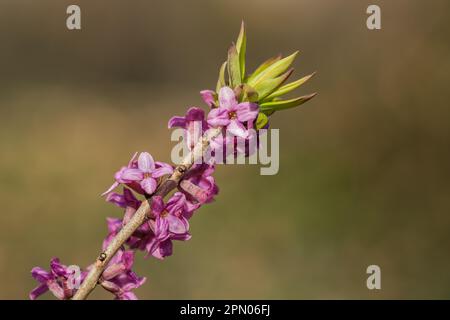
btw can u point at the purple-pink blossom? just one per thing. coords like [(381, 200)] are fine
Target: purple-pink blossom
[(127, 199), (198, 185), (141, 175), (232, 115), (170, 223), (119, 279), (60, 280), (194, 124)]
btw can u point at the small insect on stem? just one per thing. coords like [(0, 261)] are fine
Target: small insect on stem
[(102, 256)]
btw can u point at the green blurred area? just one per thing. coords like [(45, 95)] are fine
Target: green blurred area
[(364, 167)]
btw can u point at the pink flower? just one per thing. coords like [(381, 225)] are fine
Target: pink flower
[(57, 281), (179, 205), (170, 223), (198, 185), (231, 114), (127, 199), (193, 122), (193, 114), (141, 175), (119, 279)]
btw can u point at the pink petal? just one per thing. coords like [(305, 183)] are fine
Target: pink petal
[(133, 282), (247, 111), (157, 206), (56, 289), (128, 259), (176, 225), (164, 250), (110, 286), (236, 128), (177, 122), (36, 292), (195, 191), (149, 185), (57, 268), (163, 169), (145, 162), (114, 225), (227, 99), (161, 229), (191, 207), (218, 117), (107, 241), (195, 114), (129, 213), (208, 97), (135, 186), (117, 199), (130, 199), (113, 270), (130, 175), (181, 237), (40, 274)]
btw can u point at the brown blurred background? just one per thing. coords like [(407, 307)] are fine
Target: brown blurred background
[(364, 175)]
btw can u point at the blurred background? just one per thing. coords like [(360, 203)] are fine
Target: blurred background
[(364, 167)]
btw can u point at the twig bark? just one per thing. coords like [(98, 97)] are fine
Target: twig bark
[(141, 215)]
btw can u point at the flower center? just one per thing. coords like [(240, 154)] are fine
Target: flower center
[(164, 213), (147, 175), (232, 115)]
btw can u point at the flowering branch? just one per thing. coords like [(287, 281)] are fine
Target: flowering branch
[(240, 106), (141, 215)]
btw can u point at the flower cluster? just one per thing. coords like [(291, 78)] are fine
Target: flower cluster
[(63, 282), (169, 220), (141, 175), (240, 104)]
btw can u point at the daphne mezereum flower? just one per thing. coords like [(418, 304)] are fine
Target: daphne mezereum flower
[(169, 224), (141, 175), (138, 240), (179, 205), (193, 122), (57, 281), (199, 185), (231, 114), (127, 199), (119, 279), (193, 114)]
